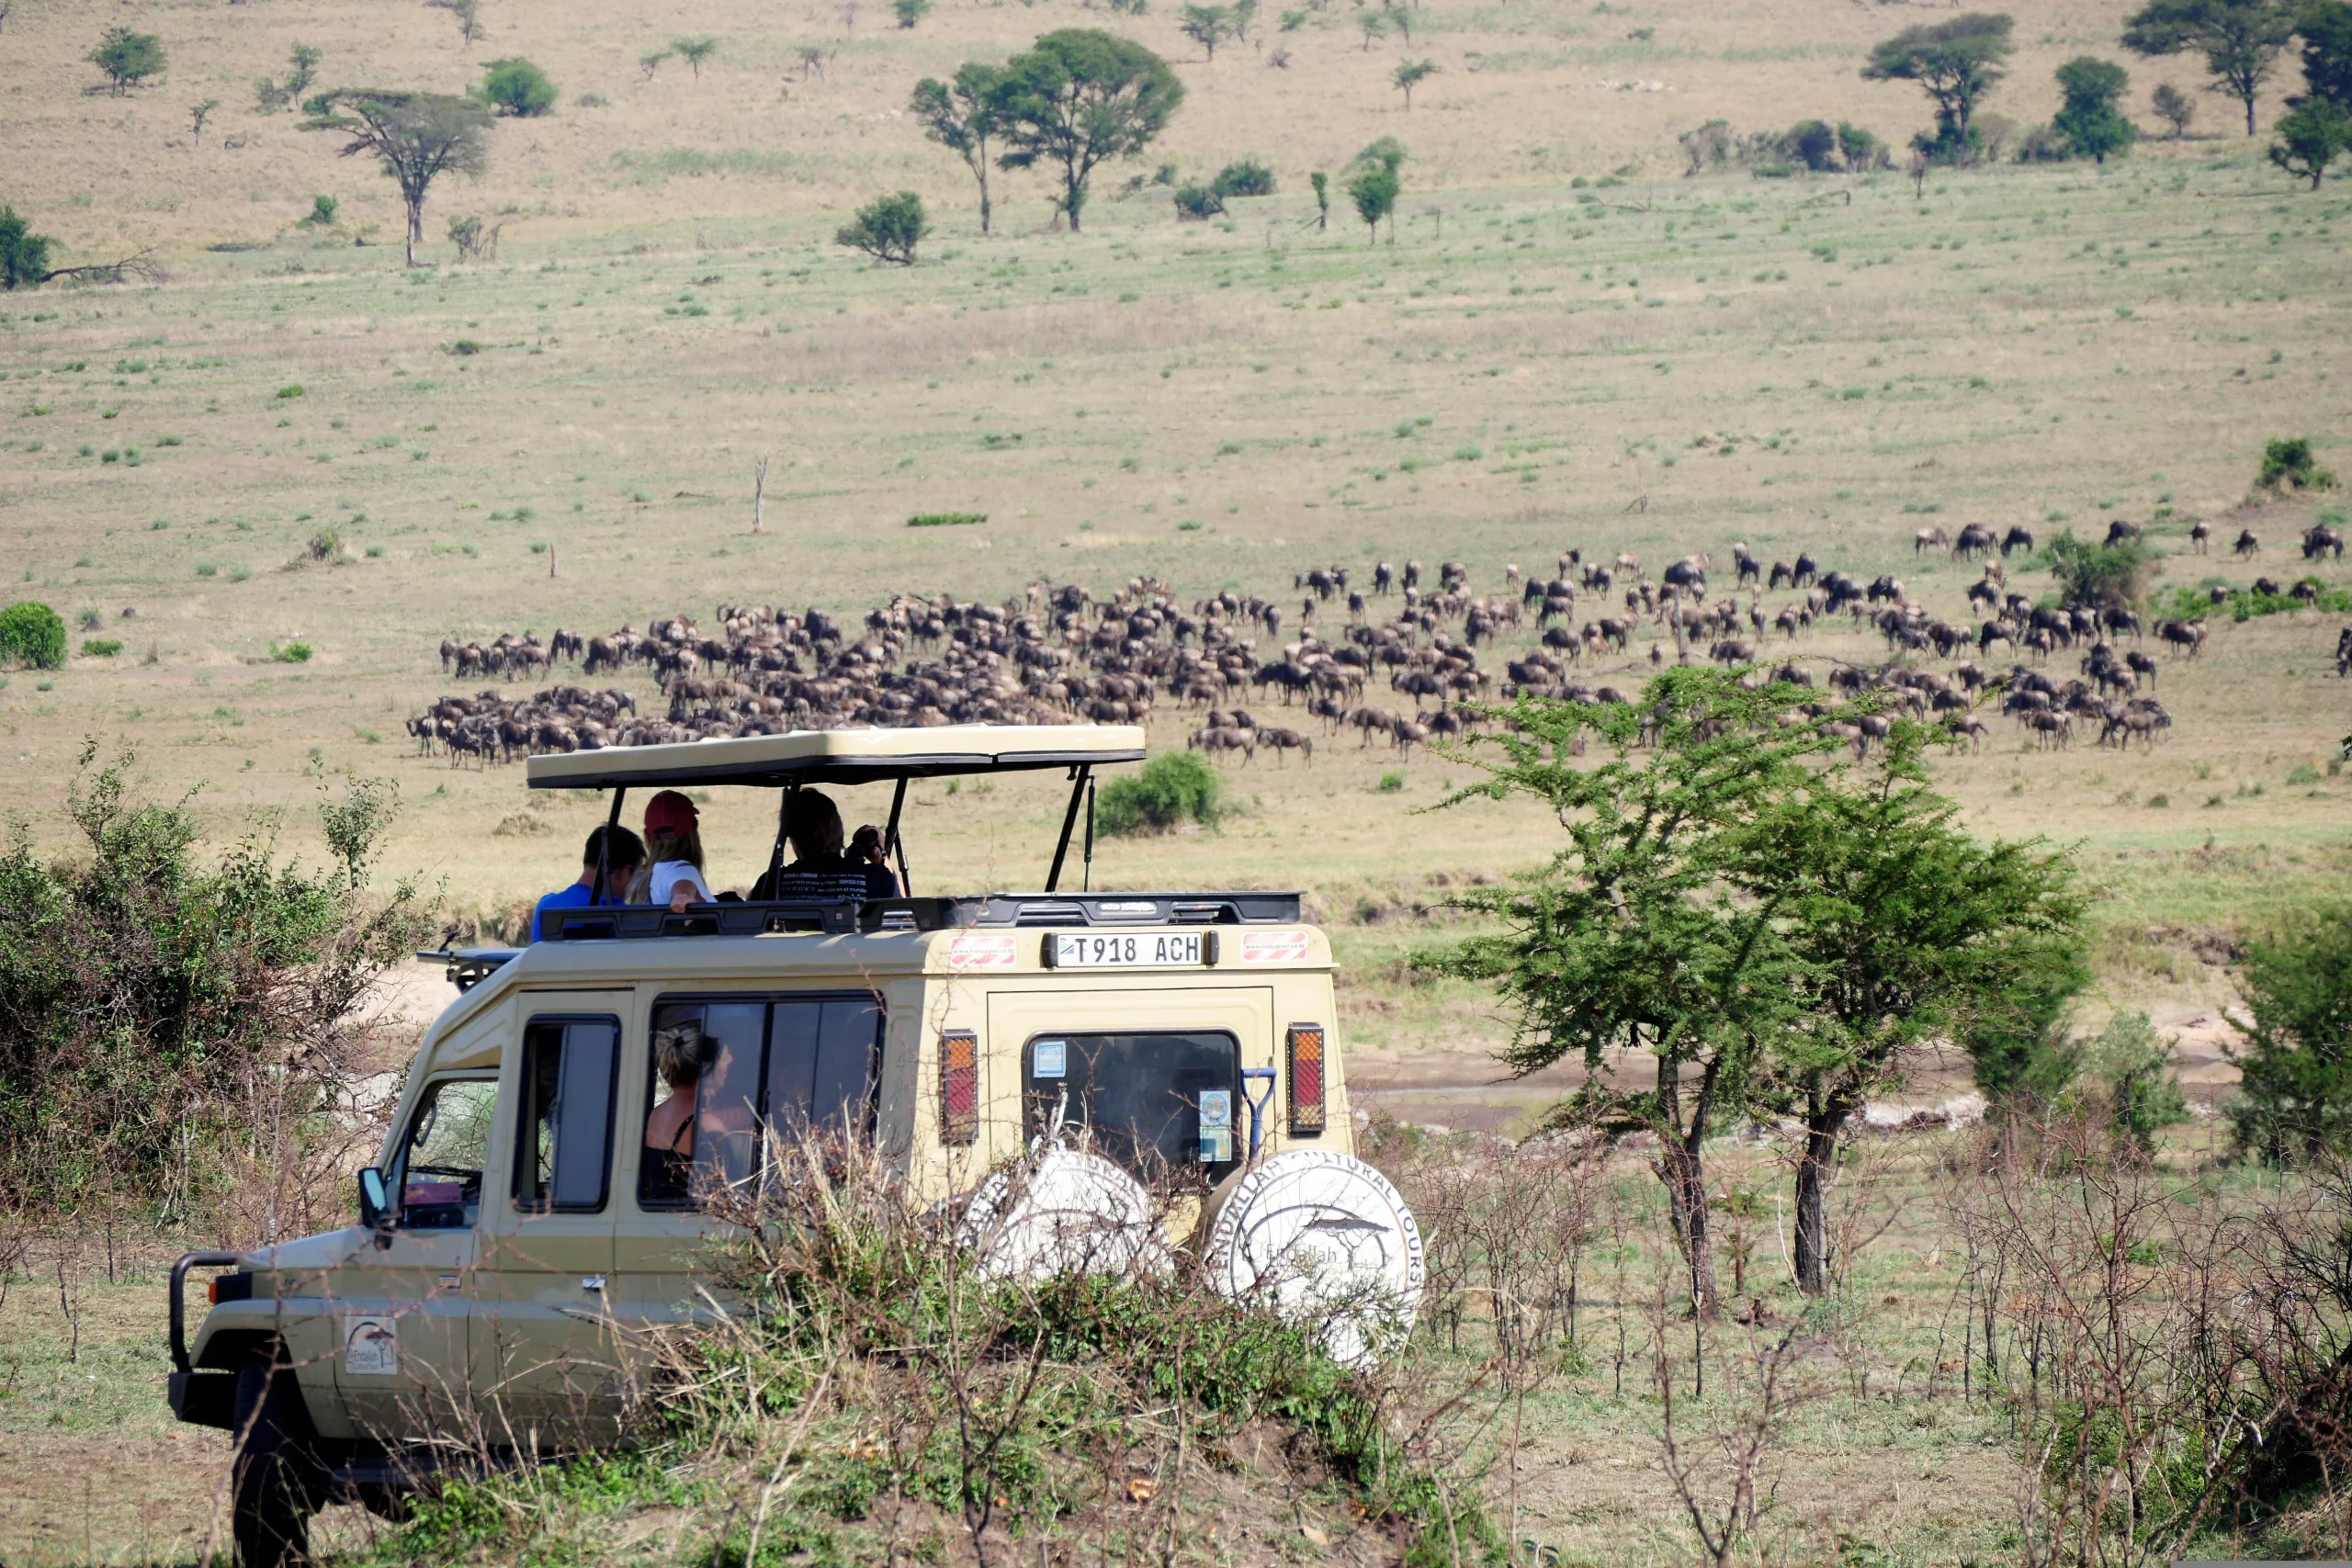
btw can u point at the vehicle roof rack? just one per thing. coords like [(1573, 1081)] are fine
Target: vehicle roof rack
[(843, 756), (845, 916)]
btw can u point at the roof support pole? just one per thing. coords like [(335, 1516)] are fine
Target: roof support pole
[(891, 843), (782, 826), (605, 847), (1079, 777)]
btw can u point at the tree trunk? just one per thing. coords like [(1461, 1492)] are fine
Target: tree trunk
[(415, 228), (1823, 1120), (2250, 130), (984, 198), (1682, 1167)]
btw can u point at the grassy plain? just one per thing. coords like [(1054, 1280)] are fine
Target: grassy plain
[(1656, 365)]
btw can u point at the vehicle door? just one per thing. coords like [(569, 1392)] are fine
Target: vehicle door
[(405, 1301), (544, 1361), (785, 1065), (1151, 1076)]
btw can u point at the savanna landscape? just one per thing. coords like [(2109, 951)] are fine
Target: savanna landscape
[(669, 342)]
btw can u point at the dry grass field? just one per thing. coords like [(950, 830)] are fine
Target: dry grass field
[(1564, 345)]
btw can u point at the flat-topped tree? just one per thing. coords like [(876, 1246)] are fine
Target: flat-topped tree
[(1080, 97), (1956, 62), (2241, 39), (2092, 122), (128, 59), (959, 116), (417, 137)]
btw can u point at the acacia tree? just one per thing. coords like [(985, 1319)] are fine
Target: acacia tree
[(1633, 937), (2241, 39), (959, 116), (1411, 75), (2310, 137), (887, 227), (1209, 26), (694, 52), (2173, 106), (1078, 97), (417, 137), (2295, 1102), (2091, 123), (1956, 62), (128, 59), (2326, 31), (1901, 928)]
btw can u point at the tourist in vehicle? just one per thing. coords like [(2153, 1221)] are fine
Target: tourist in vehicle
[(673, 874), (621, 858), (814, 832), (666, 1174)]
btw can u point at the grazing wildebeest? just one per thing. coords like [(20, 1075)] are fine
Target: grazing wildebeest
[(2017, 539), (1213, 741), (2319, 539), (1284, 741), (2344, 651), (2050, 730), (2247, 545), (2118, 530), (1967, 723), (2186, 636), (1929, 539), (1975, 540), (2199, 536), (1383, 579)]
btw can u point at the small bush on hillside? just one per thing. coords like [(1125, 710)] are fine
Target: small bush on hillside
[(1198, 203), (1813, 143), (887, 229), (1173, 788), (1246, 177), (2094, 576), (517, 87), (32, 634), (128, 59), (100, 647), (2289, 463), (289, 652), (946, 519), (909, 12), (24, 256), (2175, 108), (321, 215)]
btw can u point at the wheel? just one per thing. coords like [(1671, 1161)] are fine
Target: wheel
[(277, 1480)]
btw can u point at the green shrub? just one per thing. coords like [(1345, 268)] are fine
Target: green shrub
[(1392, 781), (2289, 462), (2099, 576), (167, 1017), (516, 86), (32, 634), (321, 212), (1247, 177), (887, 229), (289, 652), (1813, 143), (1198, 202), (286, 393), (2294, 1100), (1173, 788), (106, 648), (946, 519), (909, 12)]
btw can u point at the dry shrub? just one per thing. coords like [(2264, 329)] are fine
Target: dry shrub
[(858, 1387)]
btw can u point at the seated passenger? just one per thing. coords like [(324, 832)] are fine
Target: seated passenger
[(621, 861), (814, 831), (665, 1174), (674, 837)]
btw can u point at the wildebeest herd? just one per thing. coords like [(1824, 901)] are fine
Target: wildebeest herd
[(1058, 653)]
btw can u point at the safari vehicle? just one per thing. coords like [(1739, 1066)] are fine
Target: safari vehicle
[(519, 1232)]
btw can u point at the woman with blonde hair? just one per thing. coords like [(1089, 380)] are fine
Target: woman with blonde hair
[(667, 1168), (672, 874)]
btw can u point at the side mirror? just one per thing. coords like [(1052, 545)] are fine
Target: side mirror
[(375, 1200)]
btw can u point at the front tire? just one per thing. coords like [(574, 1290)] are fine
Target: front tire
[(278, 1479)]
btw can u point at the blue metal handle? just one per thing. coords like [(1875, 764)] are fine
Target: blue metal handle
[(1257, 1103)]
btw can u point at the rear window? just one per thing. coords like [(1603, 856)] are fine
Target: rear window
[(1162, 1103)]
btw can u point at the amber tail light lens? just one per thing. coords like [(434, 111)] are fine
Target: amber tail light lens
[(959, 1086), (1305, 1080)]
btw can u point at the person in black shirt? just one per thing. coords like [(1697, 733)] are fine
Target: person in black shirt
[(814, 832)]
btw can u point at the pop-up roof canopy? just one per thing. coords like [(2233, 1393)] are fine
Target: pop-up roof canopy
[(843, 756)]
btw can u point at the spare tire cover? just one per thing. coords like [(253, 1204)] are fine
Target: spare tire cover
[(1068, 1212), (1328, 1241)]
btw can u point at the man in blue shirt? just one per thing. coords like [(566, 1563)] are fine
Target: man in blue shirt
[(627, 853)]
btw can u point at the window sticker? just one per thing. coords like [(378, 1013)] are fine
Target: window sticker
[(1052, 1058)]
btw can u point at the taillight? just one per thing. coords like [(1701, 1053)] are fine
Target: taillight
[(237, 1287), (1305, 1080), (959, 1086)]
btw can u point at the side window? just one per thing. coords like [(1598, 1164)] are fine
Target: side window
[(565, 1134), (437, 1169), (820, 1062), (722, 1070)]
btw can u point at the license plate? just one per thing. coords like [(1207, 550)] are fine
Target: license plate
[(1149, 950)]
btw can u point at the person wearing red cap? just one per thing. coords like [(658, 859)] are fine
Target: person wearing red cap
[(673, 844)]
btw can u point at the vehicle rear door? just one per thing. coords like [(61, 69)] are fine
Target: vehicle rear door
[(544, 1367)]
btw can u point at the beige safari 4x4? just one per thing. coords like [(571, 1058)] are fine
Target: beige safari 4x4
[(519, 1228)]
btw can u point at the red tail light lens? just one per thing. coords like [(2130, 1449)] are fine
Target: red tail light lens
[(1305, 1080), (959, 1086)]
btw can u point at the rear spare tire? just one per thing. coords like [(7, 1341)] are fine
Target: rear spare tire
[(1327, 1241), (1068, 1212)]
